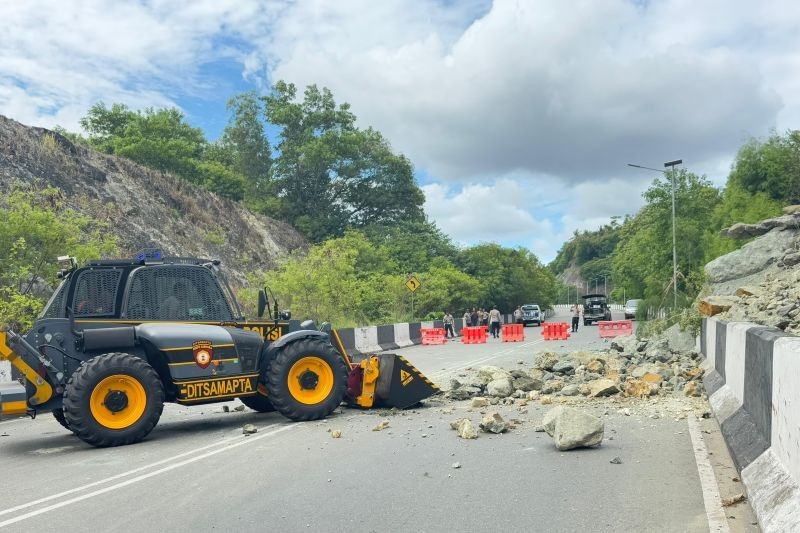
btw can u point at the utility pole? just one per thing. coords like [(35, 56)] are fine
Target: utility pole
[(672, 164)]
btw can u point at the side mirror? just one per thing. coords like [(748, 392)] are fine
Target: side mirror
[(262, 302)]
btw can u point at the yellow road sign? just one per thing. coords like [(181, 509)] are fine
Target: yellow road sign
[(413, 283)]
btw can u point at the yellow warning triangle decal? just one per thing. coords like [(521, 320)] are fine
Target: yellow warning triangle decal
[(405, 377)]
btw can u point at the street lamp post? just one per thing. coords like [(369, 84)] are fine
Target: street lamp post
[(670, 165)]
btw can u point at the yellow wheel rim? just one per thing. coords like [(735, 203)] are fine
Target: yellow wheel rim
[(118, 401), (310, 380)]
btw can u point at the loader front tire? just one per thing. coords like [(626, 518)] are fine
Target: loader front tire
[(258, 403), (58, 414), (306, 380), (113, 399)]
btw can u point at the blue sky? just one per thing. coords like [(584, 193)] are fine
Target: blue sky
[(519, 115)]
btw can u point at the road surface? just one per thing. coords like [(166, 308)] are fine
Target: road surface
[(197, 472)]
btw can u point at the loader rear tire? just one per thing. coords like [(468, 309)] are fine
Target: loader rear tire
[(58, 414), (113, 399), (306, 380), (258, 403)]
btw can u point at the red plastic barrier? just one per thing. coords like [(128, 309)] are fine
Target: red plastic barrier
[(512, 333), (615, 328), (433, 336), (555, 331), (473, 335)]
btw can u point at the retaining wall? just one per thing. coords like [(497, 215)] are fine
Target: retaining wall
[(753, 384)]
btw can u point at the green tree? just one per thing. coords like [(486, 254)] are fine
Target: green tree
[(105, 125), (330, 174), (35, 228), (642, 262), (510, 277), (771, 167), (445, 288), (246, 141), (413, 244)]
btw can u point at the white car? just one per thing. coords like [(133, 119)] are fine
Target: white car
[(531, 314), (631, 306)]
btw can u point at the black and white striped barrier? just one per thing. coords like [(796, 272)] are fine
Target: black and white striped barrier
[(753, 383)]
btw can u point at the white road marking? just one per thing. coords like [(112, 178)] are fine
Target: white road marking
[(717, 522), (463, 365), (235, 440)]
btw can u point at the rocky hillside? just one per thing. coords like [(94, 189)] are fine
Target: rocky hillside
[(145, 208), (760, 282)]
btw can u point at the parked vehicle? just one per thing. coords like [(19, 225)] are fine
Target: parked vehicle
[(631, 306), (531, 314), (595, 308)]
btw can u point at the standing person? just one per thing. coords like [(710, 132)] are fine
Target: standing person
[(473, 317), (494, 321), (467, 319), (484, 317), (448, 325), (518, 315), (576, 317)]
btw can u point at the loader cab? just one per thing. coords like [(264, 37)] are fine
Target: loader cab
[(177, 290)]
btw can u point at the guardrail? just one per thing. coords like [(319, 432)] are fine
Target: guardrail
[(753, 389)]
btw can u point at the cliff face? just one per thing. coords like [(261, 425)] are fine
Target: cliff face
[(760, 282), (144, 208)]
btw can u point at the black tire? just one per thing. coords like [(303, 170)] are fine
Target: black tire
[(78, 394), (58, 414), (258, 403), (277, 375)]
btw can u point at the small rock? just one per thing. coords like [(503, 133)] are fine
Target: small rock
[(538, 429), (454, 384), (500, 388), (239, 408), (625, 411), (616, 461), (464, 428), (733, 500), (336, 433), (534, 395), (692, 389), (570, 390), (479, 402), (226, 409), (564, 367), (520, 362), (545, 360), (383, 424), (249, 429), (493, 423), (546, 400), (456, 465)]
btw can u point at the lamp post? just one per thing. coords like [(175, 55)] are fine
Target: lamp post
[(671, 166)]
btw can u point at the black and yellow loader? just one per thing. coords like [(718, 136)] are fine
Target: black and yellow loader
[(119, 338)]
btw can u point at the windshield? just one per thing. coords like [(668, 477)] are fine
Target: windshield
[(530, 307), (632, 303)]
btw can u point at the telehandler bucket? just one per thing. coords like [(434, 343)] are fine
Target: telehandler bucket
[(384, 380)]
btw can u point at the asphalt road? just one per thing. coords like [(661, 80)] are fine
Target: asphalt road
[(197, 472)]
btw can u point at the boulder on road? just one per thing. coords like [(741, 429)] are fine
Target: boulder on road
[(637, 388), (527, 384), (549, 420), (602, 387), (714, 305), (493, 423), (571, 428), (678, 339), (491, 373), (500, 388), (479, 402)]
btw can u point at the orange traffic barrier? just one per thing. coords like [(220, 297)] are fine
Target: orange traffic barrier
[(513, 333), (615, 328), (473, 335), (433, 336), (555, 331)]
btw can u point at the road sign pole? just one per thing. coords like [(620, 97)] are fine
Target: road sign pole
[(412, 307)]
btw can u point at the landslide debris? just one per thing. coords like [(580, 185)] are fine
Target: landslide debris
[(666, 365)]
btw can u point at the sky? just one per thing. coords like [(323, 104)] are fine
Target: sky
[(519, 116)]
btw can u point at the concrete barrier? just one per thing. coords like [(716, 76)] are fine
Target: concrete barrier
[(754, 390)]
